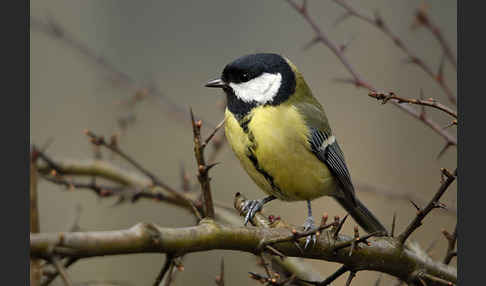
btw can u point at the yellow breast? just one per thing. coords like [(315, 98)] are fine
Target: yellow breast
[(285, 167)]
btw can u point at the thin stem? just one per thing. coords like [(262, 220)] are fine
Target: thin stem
[(62, 271), (430, 103), (380, 24), (168, 262), (358, 80), (434, 203)]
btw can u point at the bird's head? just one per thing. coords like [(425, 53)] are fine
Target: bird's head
[(256, 79)]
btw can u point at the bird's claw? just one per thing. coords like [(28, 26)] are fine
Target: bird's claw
[(251, 207), (308, 226)]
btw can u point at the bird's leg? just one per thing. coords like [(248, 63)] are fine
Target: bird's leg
[(309, 225), (253, 206)]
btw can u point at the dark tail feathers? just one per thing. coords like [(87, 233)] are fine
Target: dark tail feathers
[(362, 215)]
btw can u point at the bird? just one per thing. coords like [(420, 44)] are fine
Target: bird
[(281, 135)]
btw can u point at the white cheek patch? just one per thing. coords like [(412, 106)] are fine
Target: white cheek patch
[(261, 89)]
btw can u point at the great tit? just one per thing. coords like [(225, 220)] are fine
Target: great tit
[(281, 135)]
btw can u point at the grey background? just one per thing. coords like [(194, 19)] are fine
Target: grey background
[(178, 46)]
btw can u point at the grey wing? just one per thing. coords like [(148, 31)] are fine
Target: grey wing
[(326, 148)]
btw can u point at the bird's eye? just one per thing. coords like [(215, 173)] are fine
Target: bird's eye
[(245, 77)]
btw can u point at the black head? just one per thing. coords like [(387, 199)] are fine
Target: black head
[(257, 79)]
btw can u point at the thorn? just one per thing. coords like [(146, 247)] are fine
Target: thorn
[(339, 227), (411, 60), (351, 276), (344, 46), (444, 149), (210, 166), (299, 248), (393, 224), (378, 19), (421, 16), (416, 206), (440, 205)]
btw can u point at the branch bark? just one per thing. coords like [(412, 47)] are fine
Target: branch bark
[(223, 213), (382, 254)]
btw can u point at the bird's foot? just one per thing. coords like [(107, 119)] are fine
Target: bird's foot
[(251, 207), (308, 226)]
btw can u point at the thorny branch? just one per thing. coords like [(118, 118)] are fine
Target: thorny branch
[(398, 195), (167, 265), (425, 102), (451, 245), (104, 170), (61, 270), (418, 267), (423, 19), (113, 146), (54, 30), (358, 80), (203, 168), (380, 24), (434, 203), (133, 181), (377, 254)]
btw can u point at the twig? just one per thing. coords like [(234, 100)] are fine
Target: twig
[(352, 274), (424, 20), (434, 203), (168, 262), (295, 235), (380, 24), (430, 102), (62, 271), (104, 191), (56, 31), (225, 214), (358, 80), (432, 279), (112, 146), (378, 280), (339, 227), (355, 241), (70, 261), (343, 269), (392, 233), (394, 195), (220, 278), (203, 169), (451, 245)]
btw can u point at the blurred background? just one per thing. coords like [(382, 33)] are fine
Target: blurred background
[(175, 47)]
